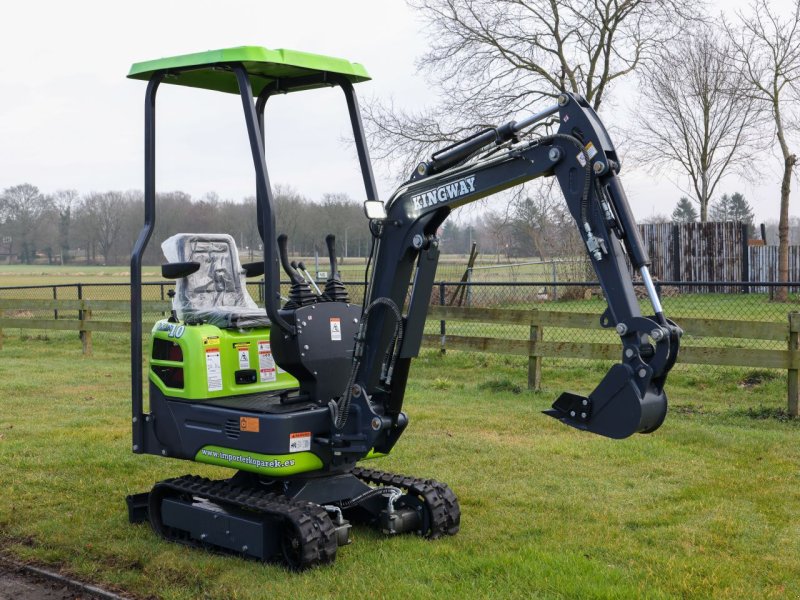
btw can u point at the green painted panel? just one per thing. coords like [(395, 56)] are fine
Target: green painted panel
[(210, 358), (211, 70), (277, 465)]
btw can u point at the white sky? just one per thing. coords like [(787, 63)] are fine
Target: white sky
[(70, 119)]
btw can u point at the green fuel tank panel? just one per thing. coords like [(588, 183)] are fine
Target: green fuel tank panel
[(199, 362)]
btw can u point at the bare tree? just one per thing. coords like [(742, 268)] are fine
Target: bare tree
[(24, 213), (693, 115), (105, 214), (64, 202), (768, 49), (490, 59)]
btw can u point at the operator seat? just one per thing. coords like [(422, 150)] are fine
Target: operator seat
[(216, 292)]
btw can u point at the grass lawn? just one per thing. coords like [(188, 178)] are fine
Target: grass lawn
[(451, 268), (704, 508), (18, 275)]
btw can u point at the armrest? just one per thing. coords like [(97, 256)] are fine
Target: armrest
[(253, 269), (177, 270)]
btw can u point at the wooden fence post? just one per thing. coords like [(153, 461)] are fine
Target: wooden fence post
[(442, 323), (793, 374), (86, 336), (534, 362)]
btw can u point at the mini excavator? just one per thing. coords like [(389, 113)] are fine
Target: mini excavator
[(293, 395)]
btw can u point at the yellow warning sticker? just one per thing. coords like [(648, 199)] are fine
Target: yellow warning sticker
[(250, 424), (243, 351), (591, 151), (211, 340)]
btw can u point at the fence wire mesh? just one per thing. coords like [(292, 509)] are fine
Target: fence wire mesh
[(736, 301)]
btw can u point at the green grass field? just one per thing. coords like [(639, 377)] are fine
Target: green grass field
[(19, 275), (451, 268), (703, 508)]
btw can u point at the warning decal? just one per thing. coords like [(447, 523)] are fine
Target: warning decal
[(250, 424), (590, 150), (243, 350), (266, 364), (213, 369), (300, 442), (211, 340), (336, 329)]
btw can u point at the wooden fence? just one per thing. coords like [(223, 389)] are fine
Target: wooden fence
[(712, 251), (79, 315), (536, 348), (70, 315), (763, 265)]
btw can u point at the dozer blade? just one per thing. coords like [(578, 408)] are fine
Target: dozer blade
[(616, 408)]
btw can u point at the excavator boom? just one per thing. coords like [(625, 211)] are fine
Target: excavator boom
[(581, 157)]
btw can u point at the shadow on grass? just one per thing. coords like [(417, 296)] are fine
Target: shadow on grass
[(500, 385), (766, 413)]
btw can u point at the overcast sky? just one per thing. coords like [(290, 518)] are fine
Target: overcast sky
[(70, 119)]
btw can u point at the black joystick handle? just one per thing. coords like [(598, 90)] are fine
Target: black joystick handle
[(335, 290), (283, 252), (330, 240)]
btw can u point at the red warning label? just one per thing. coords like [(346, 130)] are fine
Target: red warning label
[(300, 442)]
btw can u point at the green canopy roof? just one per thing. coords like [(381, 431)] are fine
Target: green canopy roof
[(209, 70)]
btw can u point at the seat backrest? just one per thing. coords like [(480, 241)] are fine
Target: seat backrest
[(218, 283)]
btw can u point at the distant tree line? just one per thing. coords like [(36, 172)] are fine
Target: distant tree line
[(101, 227)]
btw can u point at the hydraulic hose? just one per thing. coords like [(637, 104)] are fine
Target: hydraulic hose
[(340, 411), (587, 182), (378, 491)]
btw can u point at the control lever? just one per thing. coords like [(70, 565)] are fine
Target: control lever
[(300, 293), (330, 241), (283, 252), (308, 276), (173, 313), (334, 288)]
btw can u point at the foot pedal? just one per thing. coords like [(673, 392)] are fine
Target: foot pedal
[(615, 409)]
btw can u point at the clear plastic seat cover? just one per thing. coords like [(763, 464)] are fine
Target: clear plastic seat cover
[(216, 293)]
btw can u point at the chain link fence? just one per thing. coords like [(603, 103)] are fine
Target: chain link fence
[(739, 301), (735, 301)]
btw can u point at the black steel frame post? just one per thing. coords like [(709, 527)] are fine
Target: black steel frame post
[(264, 200), (355, 120), (136, 262), (261, 103), (358, 135)]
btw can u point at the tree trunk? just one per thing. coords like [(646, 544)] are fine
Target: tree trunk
[(704, 199), (782, 293)]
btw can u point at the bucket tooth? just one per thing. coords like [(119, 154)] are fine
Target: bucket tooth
[(572, 409), (615, 409)]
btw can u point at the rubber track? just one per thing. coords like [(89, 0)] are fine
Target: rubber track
[(440, 500), (311, 522)]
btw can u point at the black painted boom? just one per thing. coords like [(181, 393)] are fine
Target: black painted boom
[(584, 162)]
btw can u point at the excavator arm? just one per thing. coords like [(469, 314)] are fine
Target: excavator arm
[(581, 157)]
